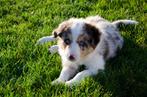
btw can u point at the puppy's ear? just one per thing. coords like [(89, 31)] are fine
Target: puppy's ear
[(63, 27), (93, 33), (56, 34)]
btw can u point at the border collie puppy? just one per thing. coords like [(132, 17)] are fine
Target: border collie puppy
[(90, 41)]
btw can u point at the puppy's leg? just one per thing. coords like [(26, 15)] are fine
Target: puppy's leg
[(45, 39), (66, 73), (80, 76), (92, 69), (53, 49)]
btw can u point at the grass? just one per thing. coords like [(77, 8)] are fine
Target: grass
[(27, 70)]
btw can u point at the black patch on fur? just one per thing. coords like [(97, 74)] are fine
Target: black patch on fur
[(55, 34), (93, 33)]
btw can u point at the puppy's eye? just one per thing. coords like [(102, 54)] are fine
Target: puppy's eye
[(82, 44), (90, 41), (67, 41)]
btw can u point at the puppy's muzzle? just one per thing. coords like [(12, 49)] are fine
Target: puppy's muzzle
[(71, 57)]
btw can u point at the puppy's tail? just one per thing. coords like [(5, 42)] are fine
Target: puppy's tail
[(118, 23), (45, 39)]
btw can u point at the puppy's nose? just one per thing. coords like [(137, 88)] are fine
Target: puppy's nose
[(71, 57)]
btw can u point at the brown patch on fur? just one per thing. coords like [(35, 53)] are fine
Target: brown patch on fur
[(88, 40), (61, 44), (63, 33), (85, 52), (85, 47), (93, 33)]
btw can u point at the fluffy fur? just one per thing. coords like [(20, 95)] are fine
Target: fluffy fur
[(90, 41)]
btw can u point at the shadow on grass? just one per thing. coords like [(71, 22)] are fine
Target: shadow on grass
[(126, 74)]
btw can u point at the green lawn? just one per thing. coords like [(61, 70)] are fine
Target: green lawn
[(27, 70)]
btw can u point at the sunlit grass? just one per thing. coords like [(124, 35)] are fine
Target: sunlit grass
[(27, 70)]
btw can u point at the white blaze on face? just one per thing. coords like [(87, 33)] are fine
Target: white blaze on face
[(74, 49)]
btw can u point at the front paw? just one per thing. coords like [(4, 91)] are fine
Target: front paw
[(70, 83), (53, 49), (57, 81)]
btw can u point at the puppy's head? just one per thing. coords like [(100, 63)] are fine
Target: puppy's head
[(76, 39)]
